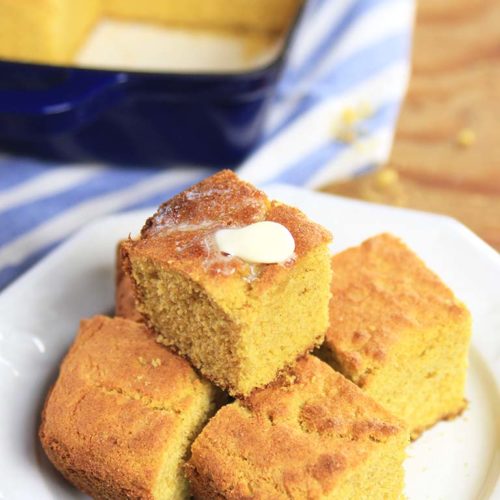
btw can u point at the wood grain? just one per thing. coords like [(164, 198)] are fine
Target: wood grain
[(455, 86)]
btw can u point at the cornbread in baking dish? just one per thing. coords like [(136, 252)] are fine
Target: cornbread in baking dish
[(121, 416), (238, 323), (45, 30), (262, 15), (312, 434), (399, 332), (51, 31)]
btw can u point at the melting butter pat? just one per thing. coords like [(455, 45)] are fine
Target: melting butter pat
[(264, 242)]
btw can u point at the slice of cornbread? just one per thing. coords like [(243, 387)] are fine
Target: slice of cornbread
[(238, 323), (125, 306), (120, 418), (313, 435), (266, 15), (45, 30), (398, 332)]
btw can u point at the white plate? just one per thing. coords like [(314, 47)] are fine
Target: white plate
[(39, 316)]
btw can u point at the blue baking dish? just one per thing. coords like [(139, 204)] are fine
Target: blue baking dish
[(129, 117)]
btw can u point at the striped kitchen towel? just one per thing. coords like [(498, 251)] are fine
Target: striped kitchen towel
[(332, 117)]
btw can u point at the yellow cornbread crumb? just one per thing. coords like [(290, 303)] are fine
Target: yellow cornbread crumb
[(386, 177), (347, 128), (349, 116), (466, 137)]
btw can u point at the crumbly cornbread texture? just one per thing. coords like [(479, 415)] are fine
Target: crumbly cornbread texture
[(121, 416), (238, 323), (125, 306), (313, 434), (50, 31), (398, 332)]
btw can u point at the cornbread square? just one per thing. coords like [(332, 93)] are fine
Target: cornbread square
[(121, 416), (45, 30), (399, 332), (238, 323), (125, 306), (314, 434), (264, 15)]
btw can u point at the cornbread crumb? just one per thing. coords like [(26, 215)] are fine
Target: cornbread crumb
[(112, 435), (156, 362), (239, 324), (398, 332), (386, 177), (347, 129), (141, 360), (466, 137), (318, 436), (349, 116)]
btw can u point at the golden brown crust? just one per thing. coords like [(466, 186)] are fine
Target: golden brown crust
[(180, 234), (380, 290), (115, 408), (296, 438), (222, 199), (125, 305)]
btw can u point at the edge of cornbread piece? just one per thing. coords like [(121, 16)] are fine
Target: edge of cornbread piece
[(125, 306), (119, 420), (238, 323), (311, 434), (398, 331)]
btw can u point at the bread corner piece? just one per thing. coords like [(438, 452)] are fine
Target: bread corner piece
[(238, 323), (121, 416), (399, 332), (313, 434)]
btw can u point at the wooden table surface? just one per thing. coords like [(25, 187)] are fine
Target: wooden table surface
[(446, 154)]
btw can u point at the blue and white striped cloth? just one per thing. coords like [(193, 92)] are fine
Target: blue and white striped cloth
[(346, 54)]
